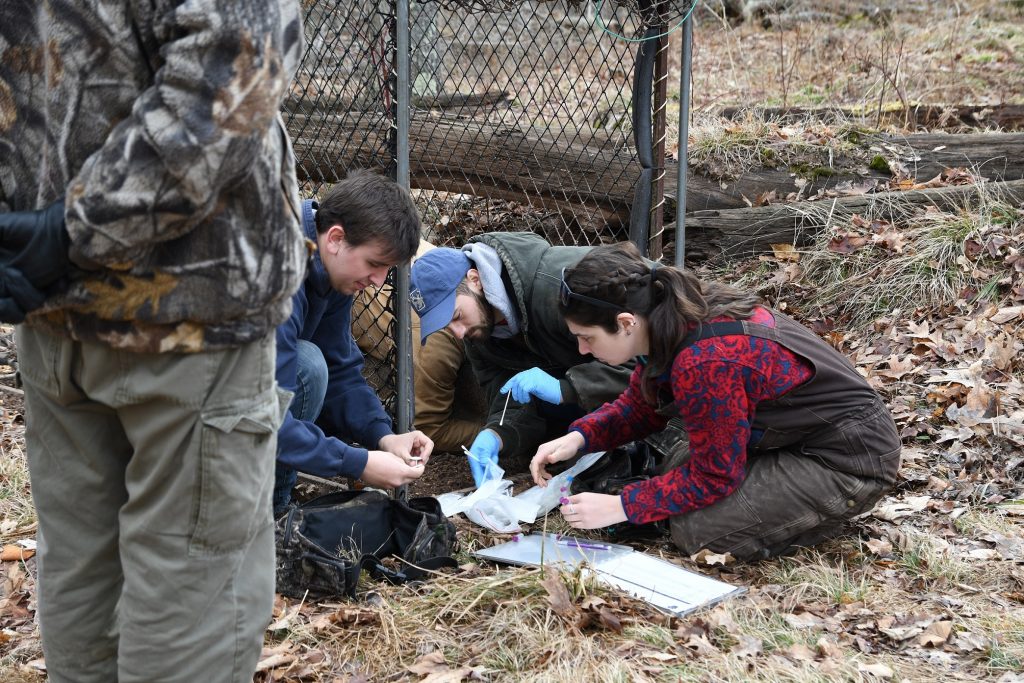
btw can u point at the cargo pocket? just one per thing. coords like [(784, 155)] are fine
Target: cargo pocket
[(236, 470), (42, 358)]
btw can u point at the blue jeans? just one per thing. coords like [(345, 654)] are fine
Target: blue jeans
[(310, 390)]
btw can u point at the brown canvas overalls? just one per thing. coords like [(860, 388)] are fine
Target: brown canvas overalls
[(828, 450)]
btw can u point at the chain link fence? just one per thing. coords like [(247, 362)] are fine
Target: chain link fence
[(522, 118)]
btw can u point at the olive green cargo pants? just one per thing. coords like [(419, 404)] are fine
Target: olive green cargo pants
[(151, 475)]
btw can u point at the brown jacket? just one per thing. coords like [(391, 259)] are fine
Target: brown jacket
[(450, 406), (449, 402)]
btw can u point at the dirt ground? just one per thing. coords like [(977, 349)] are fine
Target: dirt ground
[(929, 586)]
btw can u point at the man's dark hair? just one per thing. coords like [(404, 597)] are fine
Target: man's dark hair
[(372, 208)]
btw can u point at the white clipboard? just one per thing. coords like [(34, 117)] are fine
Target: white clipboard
[(669, 587)]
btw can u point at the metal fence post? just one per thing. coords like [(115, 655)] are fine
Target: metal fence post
[(684, 142), (403, 321)]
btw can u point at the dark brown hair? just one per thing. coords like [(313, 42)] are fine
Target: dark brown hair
[(669, 299), (372, 208)]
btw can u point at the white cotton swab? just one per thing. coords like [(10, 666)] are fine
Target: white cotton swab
[(502, 420)]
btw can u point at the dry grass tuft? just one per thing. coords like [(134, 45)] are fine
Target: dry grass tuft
[(722, 148), (921, 259), (17, 513)]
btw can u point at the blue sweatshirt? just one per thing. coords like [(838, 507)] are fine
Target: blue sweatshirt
[(351, 409)]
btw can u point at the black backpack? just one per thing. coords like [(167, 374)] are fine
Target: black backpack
[(325, 544), (636, 461), (633, 462)]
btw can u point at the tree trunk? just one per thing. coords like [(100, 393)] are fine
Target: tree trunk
[(739, 233)]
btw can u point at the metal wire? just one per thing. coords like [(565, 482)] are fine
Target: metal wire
[(521, 119)]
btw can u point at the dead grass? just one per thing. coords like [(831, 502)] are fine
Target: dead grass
[(855, 609), (17, 514), (892, 260), (723, 149), (953, 53)]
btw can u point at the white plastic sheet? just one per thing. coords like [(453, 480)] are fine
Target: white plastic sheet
[(493, 507)]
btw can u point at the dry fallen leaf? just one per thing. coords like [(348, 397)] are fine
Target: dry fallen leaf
[(748, 646), (432, 662), (274, 661), (799, 652), (895, 509), (11, 553), (936, 634), (785, 252), (879, 546), (846, 243), (609, 620), (709, 558), (452, 675), (558, 595), (1005, 315), (875, 670), (803, 620)]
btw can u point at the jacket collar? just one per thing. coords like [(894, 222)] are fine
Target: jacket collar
[(317, 274)]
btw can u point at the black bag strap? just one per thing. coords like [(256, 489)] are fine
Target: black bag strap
[(411, 572), (708, 330)]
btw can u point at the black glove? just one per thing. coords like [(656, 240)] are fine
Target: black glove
[(17, 296), (36, 243)]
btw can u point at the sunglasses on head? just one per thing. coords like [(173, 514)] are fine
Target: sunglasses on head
[(565, 294)]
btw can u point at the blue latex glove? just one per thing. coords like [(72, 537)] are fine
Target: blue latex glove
[(483, 455), (534, 382)]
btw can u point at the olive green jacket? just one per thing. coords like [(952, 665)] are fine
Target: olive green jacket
[(533, 271)]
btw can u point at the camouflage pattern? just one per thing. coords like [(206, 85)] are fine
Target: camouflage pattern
[(158, 120), (348, 540)]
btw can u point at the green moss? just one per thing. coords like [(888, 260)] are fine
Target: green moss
[(805, 170), (981, 58), (878, 163)]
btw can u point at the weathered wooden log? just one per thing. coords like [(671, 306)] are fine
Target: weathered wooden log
[(996, 156), (993, 156), (573, 171), (1004, 116), (590, 176), (740, 233)]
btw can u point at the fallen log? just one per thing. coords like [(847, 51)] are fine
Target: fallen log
[(577, 172), (740, 233), (996, 156), (1003, 116), (591, 177)]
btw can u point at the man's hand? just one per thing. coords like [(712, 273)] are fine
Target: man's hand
[(412, 447), (534, 382), (562, 448), (36, 243), (592, 510), (483, 455), (17, 296), (386, 470)]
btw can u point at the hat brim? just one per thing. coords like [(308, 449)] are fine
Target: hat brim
[(438, 317)]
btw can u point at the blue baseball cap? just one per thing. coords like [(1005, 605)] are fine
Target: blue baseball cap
[(432, 282)]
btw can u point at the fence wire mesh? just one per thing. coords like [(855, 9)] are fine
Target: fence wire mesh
[(521, 118)]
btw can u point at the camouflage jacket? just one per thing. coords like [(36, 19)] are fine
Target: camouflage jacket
[(158, 121)]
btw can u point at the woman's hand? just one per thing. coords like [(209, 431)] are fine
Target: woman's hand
[(560, 449), (592, 510)]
